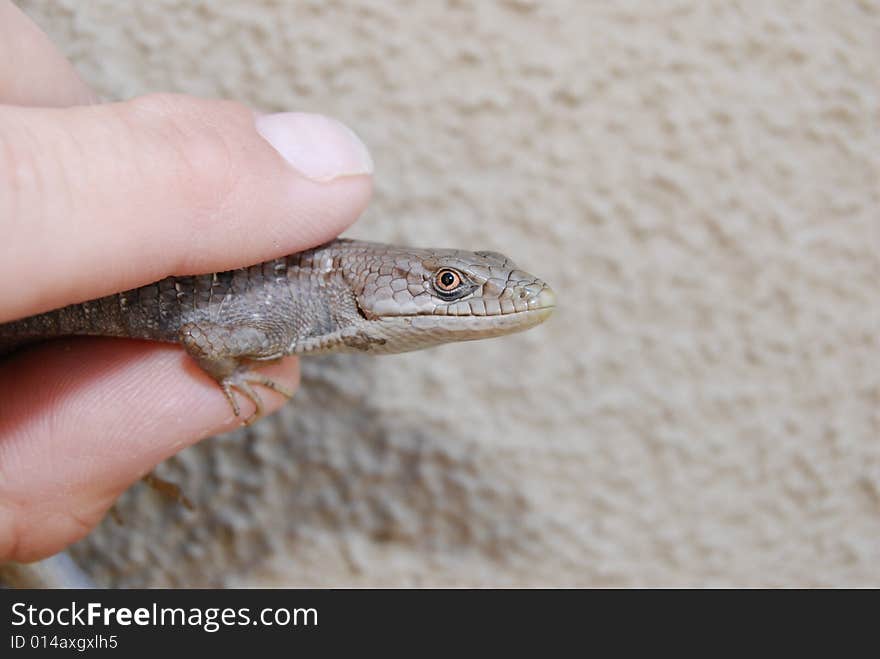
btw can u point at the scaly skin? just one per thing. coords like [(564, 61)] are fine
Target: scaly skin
[(344, 296)]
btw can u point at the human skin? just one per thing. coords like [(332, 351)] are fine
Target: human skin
[(97, 198)]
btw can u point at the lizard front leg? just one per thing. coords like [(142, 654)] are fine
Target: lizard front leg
[(228, 354)]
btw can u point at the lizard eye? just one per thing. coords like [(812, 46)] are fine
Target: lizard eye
[(447, 280)]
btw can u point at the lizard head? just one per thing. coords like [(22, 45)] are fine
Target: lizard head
[(414, 298)]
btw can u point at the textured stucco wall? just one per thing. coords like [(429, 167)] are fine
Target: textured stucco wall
[(697, 180)]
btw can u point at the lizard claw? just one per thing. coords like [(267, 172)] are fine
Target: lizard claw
[(242, 380)]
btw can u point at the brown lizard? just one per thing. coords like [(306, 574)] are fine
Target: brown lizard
[(344, 296)]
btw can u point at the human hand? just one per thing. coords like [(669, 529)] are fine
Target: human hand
[(96, 199)]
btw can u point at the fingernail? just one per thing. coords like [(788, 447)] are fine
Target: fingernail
[(320, 148)]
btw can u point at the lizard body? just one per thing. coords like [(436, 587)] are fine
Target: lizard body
[(343, 296)]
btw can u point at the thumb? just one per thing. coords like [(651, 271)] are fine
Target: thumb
[(103, 198)]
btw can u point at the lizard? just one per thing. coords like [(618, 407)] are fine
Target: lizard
[(342, 296)]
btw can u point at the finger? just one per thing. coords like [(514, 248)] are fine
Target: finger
[(32, 71), (68, 449), (108, 197)]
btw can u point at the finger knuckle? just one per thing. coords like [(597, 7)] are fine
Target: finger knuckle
[(201, 147), (23, 175)]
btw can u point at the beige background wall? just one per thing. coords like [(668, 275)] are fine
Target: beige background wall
[(699, 181)]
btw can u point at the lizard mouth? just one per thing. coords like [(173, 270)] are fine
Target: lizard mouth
[(483, 325), (405, 333), (470, 321)]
